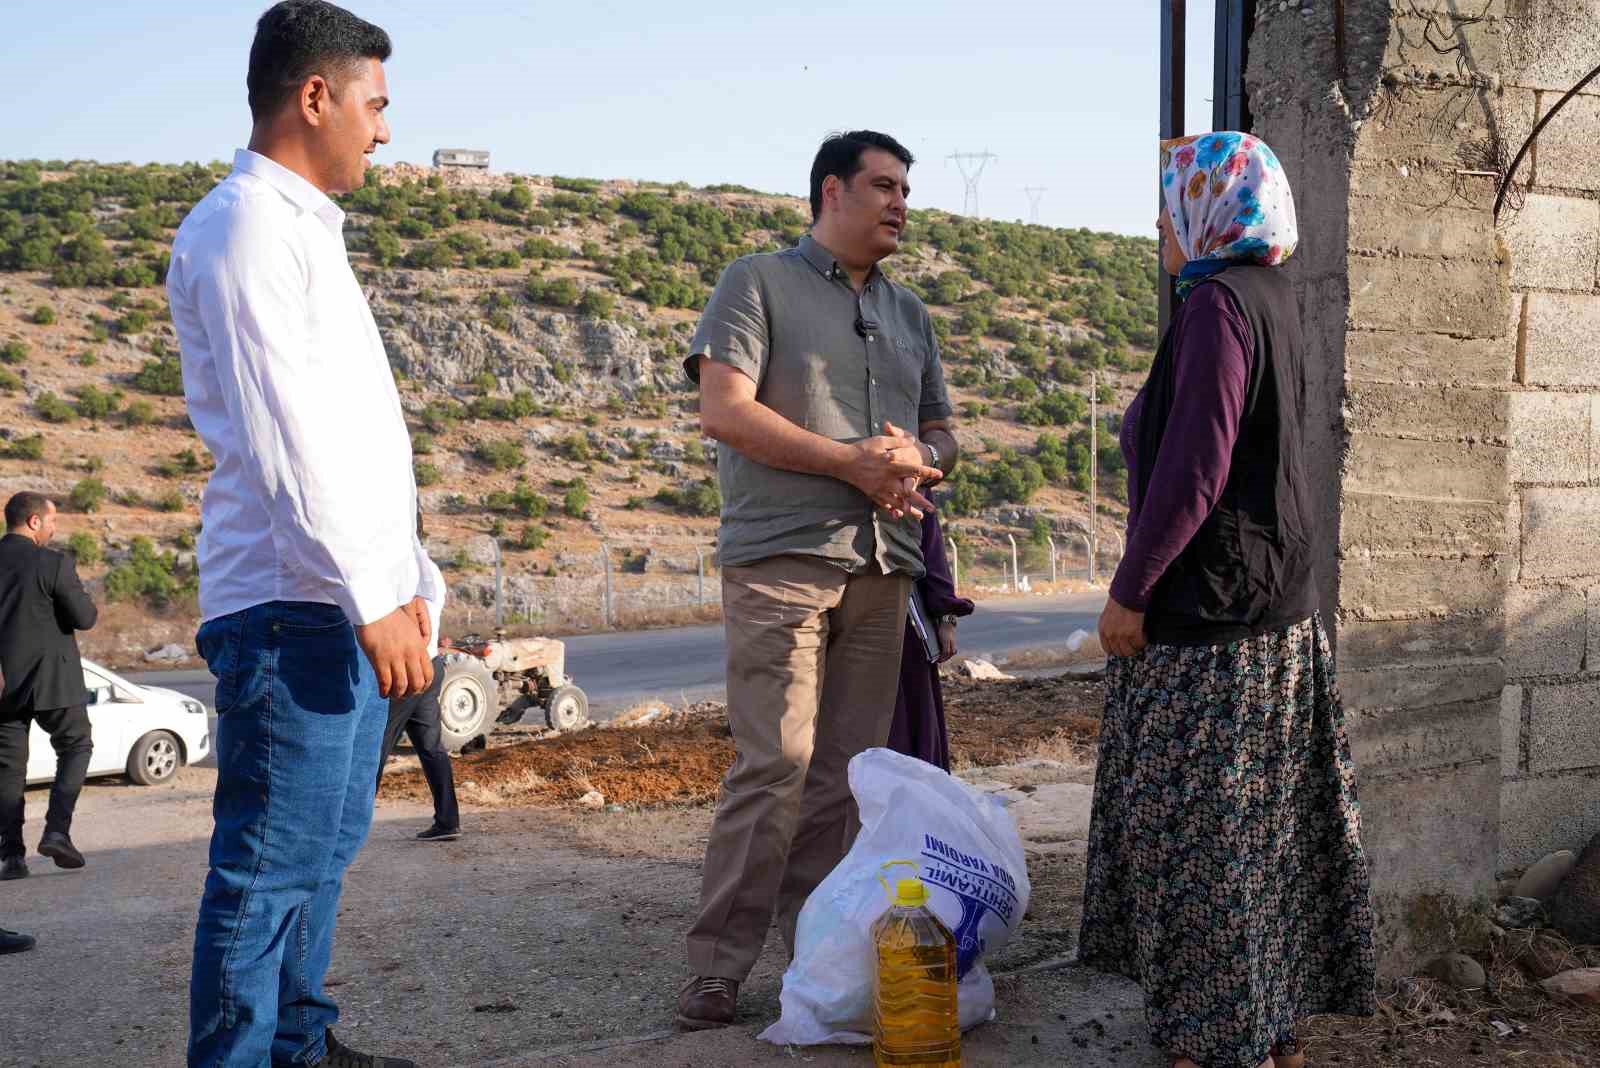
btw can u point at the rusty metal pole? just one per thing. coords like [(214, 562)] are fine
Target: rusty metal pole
[(955, 562), (1174, 13), (1236, 20)]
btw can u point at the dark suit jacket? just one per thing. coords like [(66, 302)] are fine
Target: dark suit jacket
[(42, 602)]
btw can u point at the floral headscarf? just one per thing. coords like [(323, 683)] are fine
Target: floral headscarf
[(1228, 201)]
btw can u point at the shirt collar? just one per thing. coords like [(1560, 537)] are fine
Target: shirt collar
[(295, 189), (827, 264)]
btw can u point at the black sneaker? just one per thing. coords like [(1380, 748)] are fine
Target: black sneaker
[(342, 1056), (13, 868), (59, 848), (437, 833), (11, 942)]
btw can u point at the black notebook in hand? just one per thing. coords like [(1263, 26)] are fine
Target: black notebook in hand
[(923, 626)]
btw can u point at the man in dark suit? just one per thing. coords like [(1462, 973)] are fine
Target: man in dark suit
[(42, 602)]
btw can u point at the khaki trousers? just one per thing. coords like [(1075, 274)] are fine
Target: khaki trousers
[(813, 667)]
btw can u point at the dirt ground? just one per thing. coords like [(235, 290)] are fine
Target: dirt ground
[(681, 756), (552, 933)]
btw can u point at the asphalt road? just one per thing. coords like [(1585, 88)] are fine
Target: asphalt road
[(620, 670)]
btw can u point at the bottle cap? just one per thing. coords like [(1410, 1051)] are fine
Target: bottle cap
[(910, 893)]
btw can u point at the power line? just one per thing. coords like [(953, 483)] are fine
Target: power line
[(971, 165)]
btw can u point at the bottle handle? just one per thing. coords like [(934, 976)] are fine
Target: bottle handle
[(894, 864)]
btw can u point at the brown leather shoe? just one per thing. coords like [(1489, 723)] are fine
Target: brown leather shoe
[(706, 1002)]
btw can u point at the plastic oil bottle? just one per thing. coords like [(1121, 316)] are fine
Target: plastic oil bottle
[(914, 1004)]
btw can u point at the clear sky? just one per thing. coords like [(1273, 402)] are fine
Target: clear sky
[(1063, 92)]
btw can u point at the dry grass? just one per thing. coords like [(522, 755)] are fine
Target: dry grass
[(1423, 1022)]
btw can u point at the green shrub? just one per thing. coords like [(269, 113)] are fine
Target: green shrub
[(52, 409), (95, 405), (13, 352), (87, 495), (429, 254), (145, 574), (559, 292), (702, 498), (28, 448), (575, 447), (88, 359), (500, 455), (134, 321), (162, 376), (576, 501), (526, 502), (439, 416), (596, 304), (532, 537), (421, 443), (973, 322), (43, 315), (1057, 407), (171, 501), (83, 545), (138, 413), (9, 383), (949, 288), (427, 474)]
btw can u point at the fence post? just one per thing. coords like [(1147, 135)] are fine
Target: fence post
[(1016, 575), (499, 606), (955, 563), (1094, 467), (605, 607), (1051, 539), (700, 576), (1088, 548)]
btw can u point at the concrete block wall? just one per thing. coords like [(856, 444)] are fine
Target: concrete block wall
[(1455, 409), (1550, 707), (1410, 329)]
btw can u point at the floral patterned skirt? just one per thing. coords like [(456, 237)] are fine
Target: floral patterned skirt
[(1225, 873)]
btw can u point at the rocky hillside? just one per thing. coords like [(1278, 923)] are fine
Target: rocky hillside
[(536, 328)]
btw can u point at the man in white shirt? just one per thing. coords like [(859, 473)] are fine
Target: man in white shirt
[(317, 599)]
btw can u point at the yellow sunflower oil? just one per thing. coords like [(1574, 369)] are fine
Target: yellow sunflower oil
[(914, 1003)]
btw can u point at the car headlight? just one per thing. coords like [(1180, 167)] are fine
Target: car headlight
[(194, 707)]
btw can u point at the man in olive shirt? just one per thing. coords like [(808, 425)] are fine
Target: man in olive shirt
[(810, 362)]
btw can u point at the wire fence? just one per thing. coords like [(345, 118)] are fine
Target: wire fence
[(623, 586)]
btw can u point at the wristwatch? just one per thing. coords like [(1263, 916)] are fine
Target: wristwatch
[(951, 619), (933, 454)]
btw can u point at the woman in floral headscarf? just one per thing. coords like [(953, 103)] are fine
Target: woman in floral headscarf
[(1225, 872)]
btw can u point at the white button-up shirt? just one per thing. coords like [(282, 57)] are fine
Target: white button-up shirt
[(313, 497)]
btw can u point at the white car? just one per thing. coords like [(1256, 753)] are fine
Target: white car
[(144, 732)]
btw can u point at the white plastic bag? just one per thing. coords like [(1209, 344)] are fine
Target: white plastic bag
[(966, 849)]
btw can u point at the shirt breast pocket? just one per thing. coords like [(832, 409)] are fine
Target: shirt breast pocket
[(909, 360)]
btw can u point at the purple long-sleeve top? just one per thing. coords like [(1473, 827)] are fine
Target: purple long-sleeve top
[(1213, 348)]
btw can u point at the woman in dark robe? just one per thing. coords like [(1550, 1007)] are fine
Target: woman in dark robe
[(918, 728), (1225, 869)]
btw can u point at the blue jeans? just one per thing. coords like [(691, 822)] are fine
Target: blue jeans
[(299, 728)]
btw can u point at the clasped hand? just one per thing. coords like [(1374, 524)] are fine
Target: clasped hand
[(889, 468)]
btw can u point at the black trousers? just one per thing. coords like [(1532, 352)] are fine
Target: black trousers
[(71, 738), (418, 716)]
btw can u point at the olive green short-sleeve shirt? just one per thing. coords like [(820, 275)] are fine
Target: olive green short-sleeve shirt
[(836, 364)]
